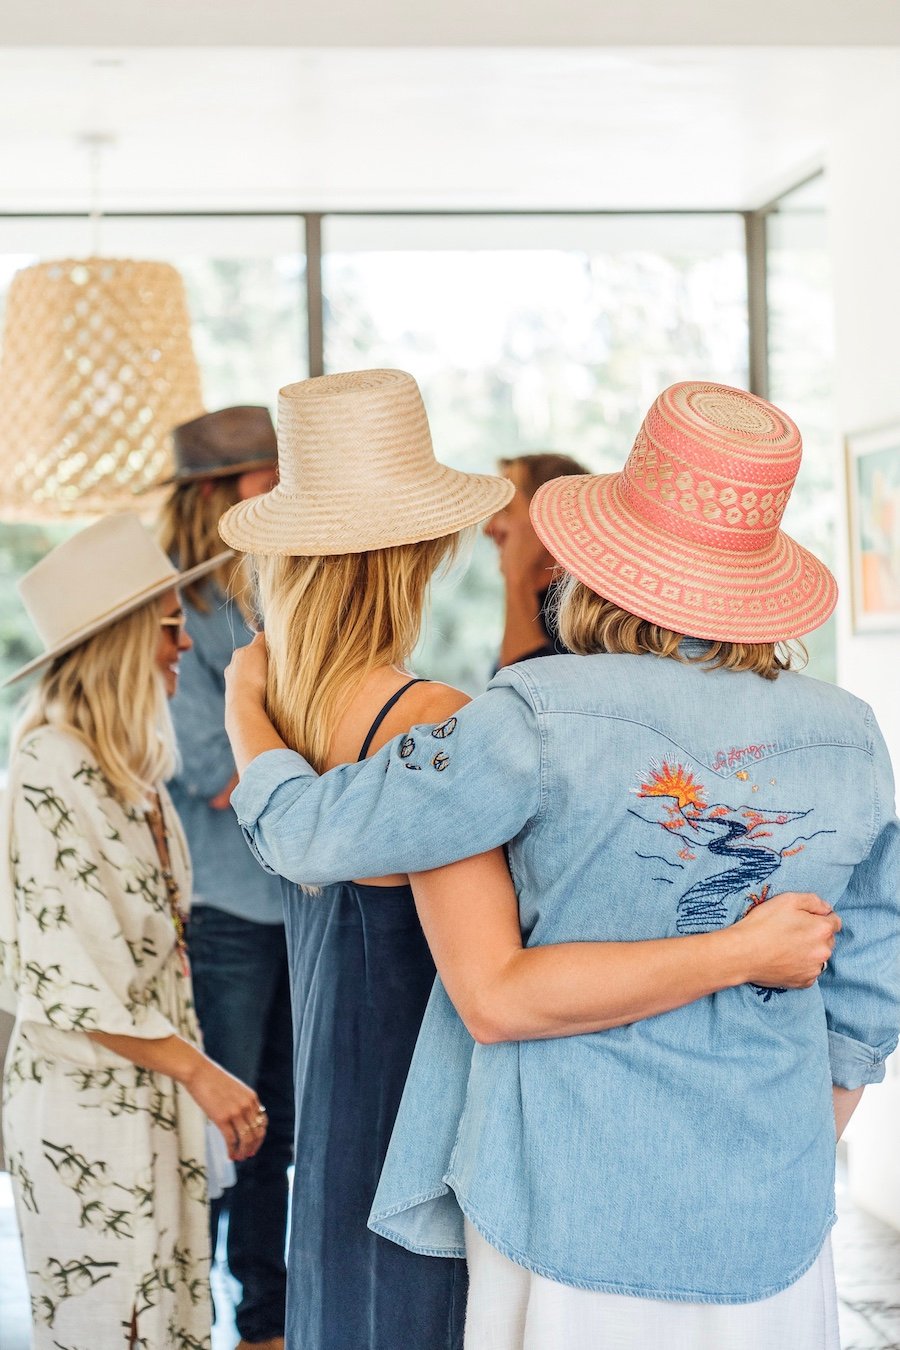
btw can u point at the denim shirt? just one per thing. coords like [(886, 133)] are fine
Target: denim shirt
[(689, 1156), (224, 874)]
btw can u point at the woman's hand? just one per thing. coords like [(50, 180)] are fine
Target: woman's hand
[(246, 721), (246, 673), (788, 940), (230, 1105)]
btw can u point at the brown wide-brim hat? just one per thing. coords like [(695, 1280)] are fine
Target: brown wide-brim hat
[(357, 472), (688, 534), (95, 578), (223, 444)]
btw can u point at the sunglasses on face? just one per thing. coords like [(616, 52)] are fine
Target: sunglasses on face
[(174, 621)]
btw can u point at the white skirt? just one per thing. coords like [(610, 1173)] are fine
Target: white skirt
[(511, 1308)]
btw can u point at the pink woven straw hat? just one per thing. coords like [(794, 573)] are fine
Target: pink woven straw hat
[(688, 534)]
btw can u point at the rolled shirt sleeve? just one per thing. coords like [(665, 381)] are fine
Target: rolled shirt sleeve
[(430, 797), (861, 985)]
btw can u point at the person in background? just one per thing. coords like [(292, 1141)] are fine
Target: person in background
[(236, 933), (527, 568), (106, 1086)]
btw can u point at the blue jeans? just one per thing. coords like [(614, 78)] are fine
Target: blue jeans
[(242, 994)]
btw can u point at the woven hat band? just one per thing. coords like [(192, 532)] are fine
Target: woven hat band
[(713, 510), (718, 486)]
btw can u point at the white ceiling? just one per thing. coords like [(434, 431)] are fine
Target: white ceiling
[(467, 23), (230, 128)]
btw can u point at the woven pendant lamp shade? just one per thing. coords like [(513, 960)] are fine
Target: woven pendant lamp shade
[(96, 368)]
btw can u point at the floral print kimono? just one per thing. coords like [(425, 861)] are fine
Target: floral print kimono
[(107, 1159)]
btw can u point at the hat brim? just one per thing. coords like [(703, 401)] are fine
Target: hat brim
[(119, 612), (360, 520), (771, 595), (219, 471)]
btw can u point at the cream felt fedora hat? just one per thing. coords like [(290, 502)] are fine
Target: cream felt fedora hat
[(98, 576), (688, 535), (357, 472)]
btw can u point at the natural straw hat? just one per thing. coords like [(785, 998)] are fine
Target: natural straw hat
[(94, 578), (357, 472), (223, 444), (687, 534)]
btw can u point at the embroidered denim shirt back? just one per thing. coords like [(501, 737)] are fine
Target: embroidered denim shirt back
[(689, 1156)]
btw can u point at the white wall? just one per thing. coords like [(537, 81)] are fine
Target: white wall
[(864, 215)]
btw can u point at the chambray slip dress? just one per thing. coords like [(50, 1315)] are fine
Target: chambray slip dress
[(361, 976)]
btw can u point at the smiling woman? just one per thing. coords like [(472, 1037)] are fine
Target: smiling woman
[(106, 1088), (173, 641)]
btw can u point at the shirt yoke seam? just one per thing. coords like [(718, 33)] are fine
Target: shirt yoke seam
[(831, 743)]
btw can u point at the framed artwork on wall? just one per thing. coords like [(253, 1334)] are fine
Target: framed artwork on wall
[(873, 496)]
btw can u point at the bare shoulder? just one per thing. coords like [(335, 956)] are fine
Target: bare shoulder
[(433, 701)]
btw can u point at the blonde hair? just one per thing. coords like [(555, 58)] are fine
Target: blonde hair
[(330, 621), (188, 530), (588, 624), (109, 693)]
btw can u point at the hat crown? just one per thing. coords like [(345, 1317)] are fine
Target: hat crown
[(350, 433), (714, 466), (91, 575), (216, 440)]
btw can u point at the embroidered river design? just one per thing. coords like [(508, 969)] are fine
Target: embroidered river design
[(745, 839)]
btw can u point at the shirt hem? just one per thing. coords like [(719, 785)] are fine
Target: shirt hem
[(378, 1225)]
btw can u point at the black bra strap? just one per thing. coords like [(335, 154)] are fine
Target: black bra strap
[(384, 712)]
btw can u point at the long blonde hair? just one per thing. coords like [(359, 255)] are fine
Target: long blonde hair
[(331, 621), (188, 530), (588, 623), (109, 693)]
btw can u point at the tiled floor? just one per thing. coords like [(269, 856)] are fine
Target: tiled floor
[(867, 1259)]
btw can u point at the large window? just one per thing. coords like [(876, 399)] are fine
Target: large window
[(531, 333), (524, 332)]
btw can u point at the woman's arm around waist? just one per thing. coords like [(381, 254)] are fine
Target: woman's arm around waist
[(504, 991)]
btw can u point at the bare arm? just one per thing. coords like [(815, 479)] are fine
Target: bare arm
[(504, 991), (846, 1100), (228, 1102)]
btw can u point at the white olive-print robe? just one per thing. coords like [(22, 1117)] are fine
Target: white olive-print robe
[(107, 1160)]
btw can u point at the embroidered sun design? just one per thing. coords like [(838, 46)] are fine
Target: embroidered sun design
[(675, 781)]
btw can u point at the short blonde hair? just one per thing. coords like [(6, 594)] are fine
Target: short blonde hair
[(588, 624), (109, 693), (330, 621), (188, 530)]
